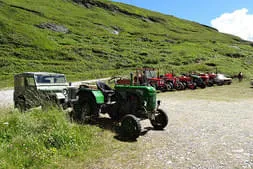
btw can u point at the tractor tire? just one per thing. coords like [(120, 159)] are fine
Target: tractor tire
[(184, 84), (179, 86), (169, 85), (210, 83), (202, 85), (160, 121), (85, 110), (130, 127)]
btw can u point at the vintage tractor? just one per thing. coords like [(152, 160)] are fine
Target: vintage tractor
[(208, 79), (125, 104), (187, 81), (173, 82), (145, 77), (150, 77), (198, 81)]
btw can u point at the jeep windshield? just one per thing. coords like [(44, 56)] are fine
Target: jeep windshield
[(50, 79)]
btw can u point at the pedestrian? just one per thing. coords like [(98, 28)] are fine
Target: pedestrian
[(240, 76)]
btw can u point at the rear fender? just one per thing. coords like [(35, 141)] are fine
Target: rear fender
[(96, 94)]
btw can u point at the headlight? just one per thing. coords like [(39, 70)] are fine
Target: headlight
[(65, 92), (145, 103)]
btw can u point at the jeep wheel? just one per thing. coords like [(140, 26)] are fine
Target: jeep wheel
[(21, 105), (160, 121), (130, 127)]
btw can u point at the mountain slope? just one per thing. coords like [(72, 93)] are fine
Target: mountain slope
[(95, 38)]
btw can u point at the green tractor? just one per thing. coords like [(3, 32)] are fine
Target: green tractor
[(125, 104)]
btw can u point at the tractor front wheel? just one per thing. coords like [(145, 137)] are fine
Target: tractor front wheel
[(160, 120), (130, 127)]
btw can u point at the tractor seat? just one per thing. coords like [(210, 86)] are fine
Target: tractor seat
[(106, 90)]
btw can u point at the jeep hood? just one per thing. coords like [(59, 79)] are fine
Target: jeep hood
[(51, 88)]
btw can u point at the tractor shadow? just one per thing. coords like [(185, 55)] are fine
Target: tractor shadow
[(107, 123)]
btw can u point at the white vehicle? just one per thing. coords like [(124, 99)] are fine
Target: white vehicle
[(31, 88), (221, 79)]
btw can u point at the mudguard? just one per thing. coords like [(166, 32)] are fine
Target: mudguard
[(97, 94)]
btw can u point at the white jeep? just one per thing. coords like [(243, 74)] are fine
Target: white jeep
[(33, 89)]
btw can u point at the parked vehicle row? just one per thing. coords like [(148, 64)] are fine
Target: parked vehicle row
[(168, 81), (126, 105)]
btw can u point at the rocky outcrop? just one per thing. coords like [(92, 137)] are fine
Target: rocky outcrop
[(114, 8), (53, 27)]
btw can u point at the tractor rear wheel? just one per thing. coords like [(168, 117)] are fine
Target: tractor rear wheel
[(85, 110), (169, 85), (130, 127), (160, 121), (179, 86)]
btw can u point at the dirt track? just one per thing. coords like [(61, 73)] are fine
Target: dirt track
[(6, 97), (202, 134)]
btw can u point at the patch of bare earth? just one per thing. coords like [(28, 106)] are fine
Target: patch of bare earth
[(202, 134)]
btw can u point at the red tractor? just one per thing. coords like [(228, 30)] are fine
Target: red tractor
[(145, 77), (187, 81), (149, 76), (208, 78), (173, 82), (212, 76), (204, 77)]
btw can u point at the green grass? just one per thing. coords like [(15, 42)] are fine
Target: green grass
[(90, 50), (48, 139), (235, 91), (38, 139)]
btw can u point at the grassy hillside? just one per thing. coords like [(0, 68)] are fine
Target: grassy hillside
[(96, 38)]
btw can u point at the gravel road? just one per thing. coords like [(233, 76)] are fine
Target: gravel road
[(202, 134), (6, 97)]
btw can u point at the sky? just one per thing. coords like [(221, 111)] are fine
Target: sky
[(228, 16)]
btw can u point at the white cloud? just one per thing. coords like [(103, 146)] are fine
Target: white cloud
[(238, 23)]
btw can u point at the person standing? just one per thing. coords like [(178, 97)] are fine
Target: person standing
[(240, 76)]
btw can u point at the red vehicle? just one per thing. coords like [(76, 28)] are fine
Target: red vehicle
[(149, 76), (187, 82), (212, 76), (173, 82), (204, 77), (208, 78)]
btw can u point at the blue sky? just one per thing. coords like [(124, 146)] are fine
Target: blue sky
[(214, 13)]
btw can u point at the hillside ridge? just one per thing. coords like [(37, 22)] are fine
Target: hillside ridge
[(97, 38)]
